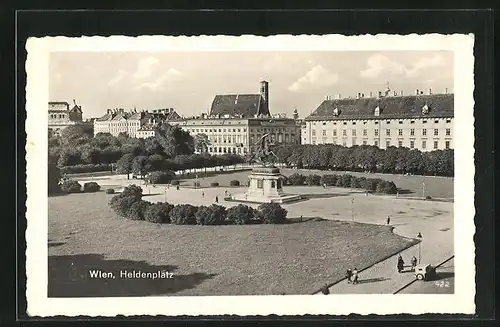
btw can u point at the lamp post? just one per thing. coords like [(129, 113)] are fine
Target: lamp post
[(419, 236), (352, 208), (165, 194), (423, 190)]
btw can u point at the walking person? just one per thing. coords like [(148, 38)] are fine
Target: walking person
[(177, 187), (401, 264), (355, 276), (203, 194), (388, 220), (216, 199), (413, 263), (348, 275), (225, 193)]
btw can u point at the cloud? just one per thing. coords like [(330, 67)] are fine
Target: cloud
[(316, 77), (379, 63), (145, 67), (119, 76), (171, 75)]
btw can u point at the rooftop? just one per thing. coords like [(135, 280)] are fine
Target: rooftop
[(412, 106), (245, 105)]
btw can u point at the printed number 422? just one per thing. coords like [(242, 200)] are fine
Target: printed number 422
[(442, 283)]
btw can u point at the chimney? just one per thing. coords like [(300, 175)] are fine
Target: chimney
[(340, 96), (446, 91), (371, 94), (379, 94), (395, 93), (430, 91), (401, 92), (74, 102), (264, 92), (417, 92)]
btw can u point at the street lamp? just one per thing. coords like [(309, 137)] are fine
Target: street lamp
[(419, 236), (352, 208), (423, 190)]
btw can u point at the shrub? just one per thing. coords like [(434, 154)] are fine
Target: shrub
[(137, 210), (386, 187), (158, 213), (355, 183), (428, 197), (313, 180), (214, 184), (183, 214), (272, 213), (217, 215), (91, 187), (344, 180), (110, 191), (296, 179), (234, 183), (240, 214), (201, 214), (133, 191), (70, 186), (160, 177), (121, 204), (328, 180), (175, 182)]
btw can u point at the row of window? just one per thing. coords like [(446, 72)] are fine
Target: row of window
[(55, 116), (448, 121), (214, 130), (388, 143), (387, 132)]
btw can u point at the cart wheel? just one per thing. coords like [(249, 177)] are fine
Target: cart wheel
[(420, 277)]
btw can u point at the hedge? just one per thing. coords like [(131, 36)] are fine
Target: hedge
[(90, 168), (214, 184), (234, 183), (272, 213), (91, 187), (71, 186), (344, 180), (158, 213)]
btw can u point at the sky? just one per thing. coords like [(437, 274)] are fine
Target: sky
[(188, 81)]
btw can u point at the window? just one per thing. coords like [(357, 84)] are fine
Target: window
[(424, 132), (448, 121), (364, 123), (412, 122), (334, 132), (314, 141), (424, 121), (376, 143), (239, 130), (353, 141), (400, 122), (424, 144), (344, 132), (388, 132), (324, 123), (436, 132), (448, 132), (260, 183), (387, 144), (210, 149), (273, 184), (354, 123), (388, 122), (435, 145), (412, 132), (376, 132), (324, 132), (447, 144), (376, 123), (345, 123), (412, 144), (400, 132), (365, 132), (220, 130), (436, 121), (364, 142), (335, 123), (400, 143), (344, 144), (314, 132), (353, 132)]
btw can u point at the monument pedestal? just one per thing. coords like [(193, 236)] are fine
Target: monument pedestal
[(265, 185)]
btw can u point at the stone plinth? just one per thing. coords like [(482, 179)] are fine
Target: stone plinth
[(265, 185)]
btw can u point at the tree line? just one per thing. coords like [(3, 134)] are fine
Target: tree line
[(365, 158)]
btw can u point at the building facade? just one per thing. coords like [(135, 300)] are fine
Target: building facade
[(60, 116), (420, 121), (236, 123), (133, 123)]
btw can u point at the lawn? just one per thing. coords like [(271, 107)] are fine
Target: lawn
[(295, 258), (411, 186)]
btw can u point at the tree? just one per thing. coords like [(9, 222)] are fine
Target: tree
[(74, 135), (124, 164), (173, 140), (272, 213), (201, 143), (139, 165)]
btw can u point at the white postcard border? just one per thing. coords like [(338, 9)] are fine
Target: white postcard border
[(37, 206)]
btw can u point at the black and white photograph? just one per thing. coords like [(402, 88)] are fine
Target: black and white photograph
[(273, 175)]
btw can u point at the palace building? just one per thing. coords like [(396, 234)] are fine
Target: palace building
[(61, 116), (236, 122), (419, 121)]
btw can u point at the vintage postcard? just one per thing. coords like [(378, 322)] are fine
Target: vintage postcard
[(215, 175)]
